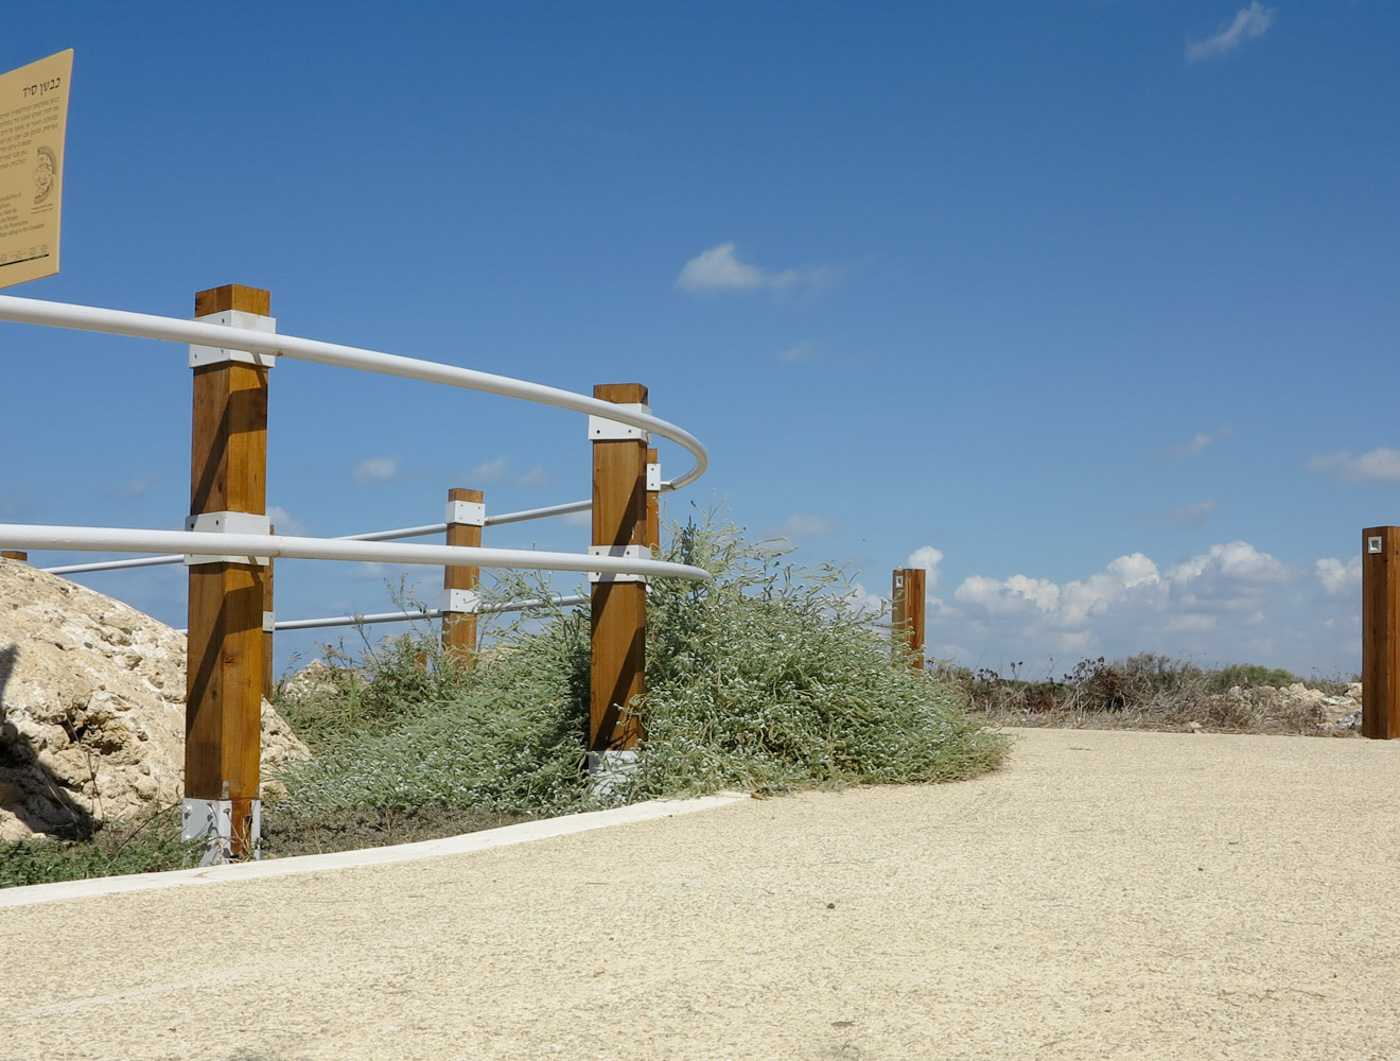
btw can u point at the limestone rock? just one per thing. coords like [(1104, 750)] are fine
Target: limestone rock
[(92, 708)]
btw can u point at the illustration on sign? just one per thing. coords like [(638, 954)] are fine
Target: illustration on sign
[(33, 121)]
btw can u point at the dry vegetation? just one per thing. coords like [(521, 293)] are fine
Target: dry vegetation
[(1149, 691)]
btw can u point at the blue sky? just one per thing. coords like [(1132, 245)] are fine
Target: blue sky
[(1091, 307)]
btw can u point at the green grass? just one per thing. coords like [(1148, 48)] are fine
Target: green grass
[(762, 680)]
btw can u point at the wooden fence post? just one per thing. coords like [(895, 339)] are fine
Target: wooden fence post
[(619, 618), (1380, 633), (228, 492), (466, 516), (907, 620), (15, 554)]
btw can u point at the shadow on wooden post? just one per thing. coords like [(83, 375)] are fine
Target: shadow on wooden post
[(466, 516), (1380, 633), (907, 620), (228, 492)]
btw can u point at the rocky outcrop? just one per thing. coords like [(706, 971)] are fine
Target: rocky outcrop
[(92, 708)]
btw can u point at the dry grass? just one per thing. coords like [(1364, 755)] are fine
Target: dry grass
[(1156, 693)]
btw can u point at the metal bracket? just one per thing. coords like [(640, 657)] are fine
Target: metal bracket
[(466, 513), (235, 318), (627, 552), (461, 601), (1374, 545), (211, 820), (653, 478), (269, 622), (601, 429), (228, 523)]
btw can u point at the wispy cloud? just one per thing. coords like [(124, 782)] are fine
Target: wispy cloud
[(1192, 515), (133, 487), (1378, 466), (719, 269), (376, 470), (1198, 443), (1252, 21), (803, 351), (536, 476), (488, 472), (800, 524), (578, 519), (284, 521)]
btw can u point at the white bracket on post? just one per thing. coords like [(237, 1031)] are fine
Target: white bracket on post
[(211, 820), (461, 601), (228, 523), (626, 552), (601, 429), (234, 318), (466, 513), (653, 478)]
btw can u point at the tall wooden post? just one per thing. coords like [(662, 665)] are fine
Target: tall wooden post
[(466, 516), (228, 492), (1380, 633), (619, 601), (908, 606)]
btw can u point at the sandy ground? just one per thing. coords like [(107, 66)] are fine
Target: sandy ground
[(1108, 894)]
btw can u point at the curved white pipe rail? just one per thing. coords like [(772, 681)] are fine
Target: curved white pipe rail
[(198, 333), (198, 543)]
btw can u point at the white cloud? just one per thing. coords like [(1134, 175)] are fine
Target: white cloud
[(803, 351), (1193, 514), (1236, 563), (1378, 466), (864, 603), (284, 521), (536, 476), (1337, 577), (928, 558), (489, 472), (805, 524), (376, 470), (1229, 603), (579, 519), (1252, 21), (718, 269)]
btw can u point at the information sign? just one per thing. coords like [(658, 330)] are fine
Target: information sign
[(33, 119)]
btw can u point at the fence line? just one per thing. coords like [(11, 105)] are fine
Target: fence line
[(228, 543)]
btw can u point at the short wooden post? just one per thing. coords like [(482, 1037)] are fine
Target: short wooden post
[(15, 554), (1380, 633), (908, 607), (269, 623), (466, 516), (228, 491), (619, 601)]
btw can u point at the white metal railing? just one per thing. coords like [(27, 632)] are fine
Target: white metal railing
[(371, 547)]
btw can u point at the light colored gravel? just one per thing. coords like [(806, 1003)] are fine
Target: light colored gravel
[(1108, 894)]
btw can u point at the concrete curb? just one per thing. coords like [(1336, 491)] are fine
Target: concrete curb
[(485, 840)]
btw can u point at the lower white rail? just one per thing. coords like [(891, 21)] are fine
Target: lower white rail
[(198, 543)]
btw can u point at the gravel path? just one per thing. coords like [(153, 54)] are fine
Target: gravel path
[(1108, 894)]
